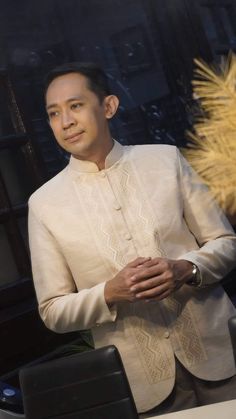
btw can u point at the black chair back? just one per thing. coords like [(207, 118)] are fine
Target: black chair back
[(89, 385)]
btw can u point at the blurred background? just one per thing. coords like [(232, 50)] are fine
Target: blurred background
[(147, 49)]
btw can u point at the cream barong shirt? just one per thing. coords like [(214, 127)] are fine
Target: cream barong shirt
[(85, 225)]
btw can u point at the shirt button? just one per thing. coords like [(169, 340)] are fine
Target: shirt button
[(128, 236), (166, 335), (116, 206), (103, 174)]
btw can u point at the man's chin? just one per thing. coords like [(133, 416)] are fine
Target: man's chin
[(77, 147), (80, 152)]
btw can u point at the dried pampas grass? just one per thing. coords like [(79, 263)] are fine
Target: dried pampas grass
[(212, 147)]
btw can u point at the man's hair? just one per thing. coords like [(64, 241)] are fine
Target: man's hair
[(97, 79)]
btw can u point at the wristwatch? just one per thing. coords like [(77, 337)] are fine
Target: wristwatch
[(196, 279)]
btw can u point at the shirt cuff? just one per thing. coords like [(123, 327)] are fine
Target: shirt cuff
[(108, 314)]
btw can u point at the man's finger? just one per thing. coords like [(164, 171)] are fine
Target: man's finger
[(146, 272), (153, 292), (139, 261), (147, 284), (152, 262)]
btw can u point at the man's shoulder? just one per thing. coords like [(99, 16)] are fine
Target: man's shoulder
[(50, 191), (150, 149), (152, 152)]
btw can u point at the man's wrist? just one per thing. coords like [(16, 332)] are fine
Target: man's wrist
[(108, 295)]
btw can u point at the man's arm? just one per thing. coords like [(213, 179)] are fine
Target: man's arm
[(61, 307), (207, 222), (216, 256)]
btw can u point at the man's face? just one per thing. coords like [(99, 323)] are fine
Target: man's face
[(77, 117)]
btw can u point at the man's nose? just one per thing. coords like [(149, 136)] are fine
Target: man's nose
[(67, 120)]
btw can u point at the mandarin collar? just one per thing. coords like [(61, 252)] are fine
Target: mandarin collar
[(90, 167)]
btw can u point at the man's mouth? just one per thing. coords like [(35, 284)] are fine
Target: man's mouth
[(74, 137)]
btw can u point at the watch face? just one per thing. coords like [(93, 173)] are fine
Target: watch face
[(195, 281), (194, 271)]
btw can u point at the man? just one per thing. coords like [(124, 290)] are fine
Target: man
[(128, 242)]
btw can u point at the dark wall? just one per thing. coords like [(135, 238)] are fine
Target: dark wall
[(146, 46)]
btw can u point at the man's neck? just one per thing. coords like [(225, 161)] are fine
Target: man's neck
[(101, 161), (99, 157)]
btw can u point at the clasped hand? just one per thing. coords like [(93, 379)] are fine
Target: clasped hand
[(147, 279)]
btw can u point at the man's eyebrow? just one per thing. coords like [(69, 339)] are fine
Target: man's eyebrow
[(71, 99)]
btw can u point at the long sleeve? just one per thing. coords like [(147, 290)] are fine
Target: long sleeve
[(62, 307), (215, 236)]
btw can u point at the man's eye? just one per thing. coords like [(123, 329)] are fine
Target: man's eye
[(76, 105), (53, 114)]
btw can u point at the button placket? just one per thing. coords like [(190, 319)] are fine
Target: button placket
[(123, 229)]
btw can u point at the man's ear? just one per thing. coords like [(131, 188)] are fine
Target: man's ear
[(111, 104)]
